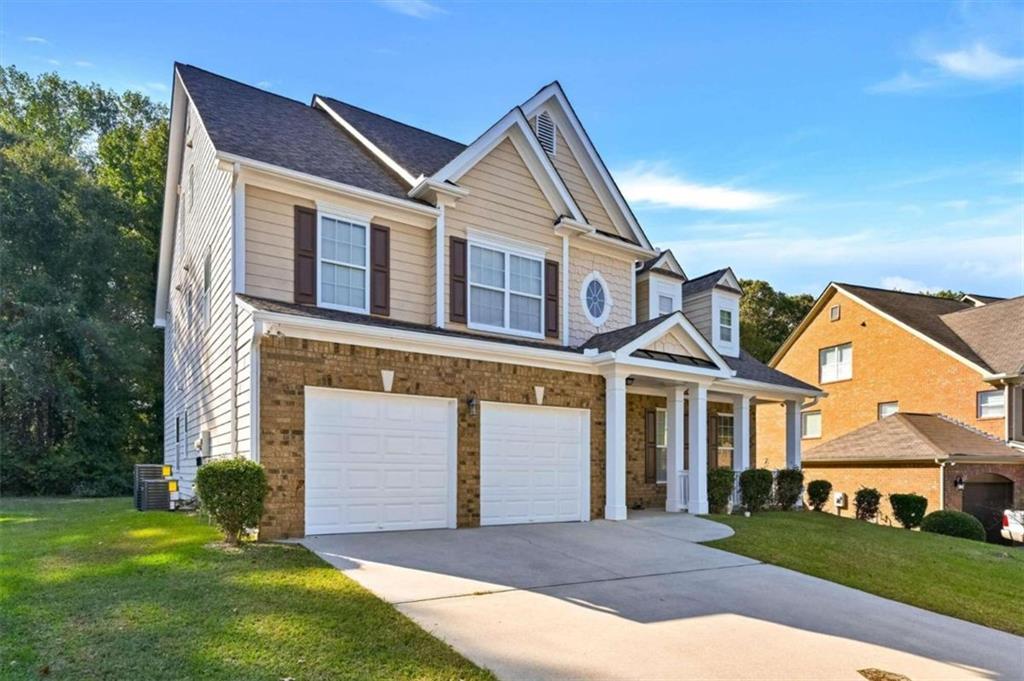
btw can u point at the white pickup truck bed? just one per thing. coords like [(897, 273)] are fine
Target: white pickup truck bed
[(1013, 526)]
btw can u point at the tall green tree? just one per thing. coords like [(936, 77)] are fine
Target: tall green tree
[(81, 181), (768, 316)]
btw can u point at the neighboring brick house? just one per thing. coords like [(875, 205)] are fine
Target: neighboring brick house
[(409, 332), (877, 352)]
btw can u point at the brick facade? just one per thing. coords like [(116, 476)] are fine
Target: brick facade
[(288, 365), (967, 471), (889, 365), (896, 478)]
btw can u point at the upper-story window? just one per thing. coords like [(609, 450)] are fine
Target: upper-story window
[(835, 363), (595, 298), (344, 275), (833, 313), (991, 404), (505, 291), (665, 304), (725, 326)]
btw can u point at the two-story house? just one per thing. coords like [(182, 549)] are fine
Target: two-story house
[(409, 332), (951, 371)]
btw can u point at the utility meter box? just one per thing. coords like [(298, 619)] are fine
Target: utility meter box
[(840, 499)]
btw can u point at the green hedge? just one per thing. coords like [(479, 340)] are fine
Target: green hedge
[(789, 483), (720, 483), (954, 524), (231, 492), (866, 501), (755, 488), (818, 492), (908, 509)]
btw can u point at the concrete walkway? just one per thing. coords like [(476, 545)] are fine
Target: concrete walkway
[(641, 600)]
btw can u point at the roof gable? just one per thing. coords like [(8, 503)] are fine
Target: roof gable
[(722, 279), (663, 263), (645, 336), (994, 331)]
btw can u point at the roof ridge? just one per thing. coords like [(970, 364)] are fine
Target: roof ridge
[(909, 423), (389, 118), (245, 85), (904, 293), (708, 274), (967, 426)]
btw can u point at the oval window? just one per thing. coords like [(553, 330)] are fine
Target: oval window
[(595, 299)]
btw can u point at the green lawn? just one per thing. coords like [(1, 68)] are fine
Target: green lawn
[(93, 589), (979, 582)]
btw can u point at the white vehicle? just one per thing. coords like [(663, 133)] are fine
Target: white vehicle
[(1013, 526)]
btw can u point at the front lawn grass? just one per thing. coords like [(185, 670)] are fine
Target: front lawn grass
[(974, 581), (92, 589)]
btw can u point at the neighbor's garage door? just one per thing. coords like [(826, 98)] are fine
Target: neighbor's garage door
[(986, 501), (534, 464), (377, 461)]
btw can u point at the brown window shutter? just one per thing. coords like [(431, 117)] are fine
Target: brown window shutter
[(380, 270), (551, 286), (651, 446), (458, 252), (305, 255)]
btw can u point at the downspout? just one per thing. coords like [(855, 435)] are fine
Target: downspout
[(942, 484), (439, 273), (237, 276)]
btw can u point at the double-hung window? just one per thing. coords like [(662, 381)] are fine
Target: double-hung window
[(344, 254), (835, 363), (506, 291), (991, 404), (725, 329), (661, 445)]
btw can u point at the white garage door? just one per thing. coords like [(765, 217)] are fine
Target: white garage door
[(377, 461), (534, 464)]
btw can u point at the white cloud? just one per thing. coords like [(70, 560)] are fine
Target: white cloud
[(84, 64), (36, 39), (644, 184), (899, 283), (978, 62), (420, 9), (901, 83)]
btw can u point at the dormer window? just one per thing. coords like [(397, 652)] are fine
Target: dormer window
[(546, 132), (725, 326)]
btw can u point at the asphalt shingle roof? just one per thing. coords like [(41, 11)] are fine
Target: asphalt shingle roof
[(418, 151), (262, 126), (703, 283), (910, 437), (748, 367)]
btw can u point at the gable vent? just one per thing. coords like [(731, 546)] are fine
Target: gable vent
[(546, 132)]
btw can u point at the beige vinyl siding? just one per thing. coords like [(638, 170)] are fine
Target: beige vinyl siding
[(697, 309), (674, 343), (618, 274), (270, 254), (197, 360), (504, 201), (643, 305), (582, 191), (243, 423)]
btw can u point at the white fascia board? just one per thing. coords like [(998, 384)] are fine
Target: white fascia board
[(909, 329), (425, 185), (179, 110), (405, 340), (780, 392), (823, 297), (537, 160), (677, 320), (362, 139), (324, 183), (554, 91), (654, 369), (633, 249)]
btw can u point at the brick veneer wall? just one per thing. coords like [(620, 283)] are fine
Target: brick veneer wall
[(907, 478), (288, 365), (955, 498)]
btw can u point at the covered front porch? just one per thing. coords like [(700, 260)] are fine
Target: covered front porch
[(664, 434)]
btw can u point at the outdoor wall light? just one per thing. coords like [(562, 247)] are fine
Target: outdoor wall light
[(958, 482), (629, 380), (471, 404)]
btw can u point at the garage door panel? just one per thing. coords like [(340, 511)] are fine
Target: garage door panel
[(377, 461), (533, 464)]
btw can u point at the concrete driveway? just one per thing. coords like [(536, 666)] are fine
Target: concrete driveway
[(641, 600)]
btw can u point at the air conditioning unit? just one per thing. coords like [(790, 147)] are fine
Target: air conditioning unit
[(156, 495), (144, 472)]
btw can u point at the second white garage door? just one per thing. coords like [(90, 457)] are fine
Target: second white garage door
[(378, 461), (534, 464)]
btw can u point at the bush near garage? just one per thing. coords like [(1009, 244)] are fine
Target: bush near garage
[(908, 509), (755, 488), (954, 524), (231, 492), (720, 484), (789, 484), (866, 502), (818, 492)]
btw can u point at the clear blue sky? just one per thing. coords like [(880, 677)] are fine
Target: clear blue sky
[(881, 144)]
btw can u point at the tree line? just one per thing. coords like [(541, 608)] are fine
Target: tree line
[(81, 367)]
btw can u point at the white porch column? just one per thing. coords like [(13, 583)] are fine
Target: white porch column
[(793, 434), (674, 452), (697, 430), (741, 434), (615, 446)]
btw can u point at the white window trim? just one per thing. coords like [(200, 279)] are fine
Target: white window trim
[(507, 290), (320, 260), (803, 425), (596, 276), (725, 301), (835, 313), (658, 446), (821, 367), (732, 447), (1002, 410), (659, 287), (731, 326)]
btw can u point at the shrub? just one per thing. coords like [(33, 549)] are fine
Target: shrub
[(818, 492), (867, 501), (789, 483), (954, 524), (231, 492), (755, 488), (720, 483), (908, 508)]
